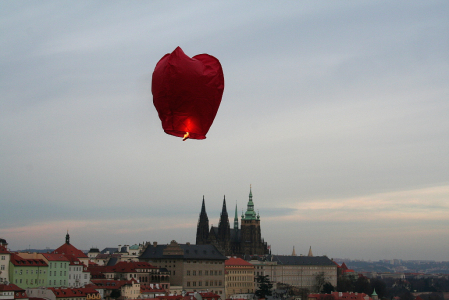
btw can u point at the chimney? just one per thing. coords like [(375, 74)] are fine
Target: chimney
[(154, 244)]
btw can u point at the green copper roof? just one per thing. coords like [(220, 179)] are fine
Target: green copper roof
[(250, 214)]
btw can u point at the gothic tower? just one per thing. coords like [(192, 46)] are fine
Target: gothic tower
[(202, 229), (236, 219), (252, 242), (224, 230)]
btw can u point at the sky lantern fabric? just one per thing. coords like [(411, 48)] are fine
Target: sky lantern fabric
[(187, 93)]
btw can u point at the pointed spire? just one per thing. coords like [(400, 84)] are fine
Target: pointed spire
[(223, 225), (310, 251), (203, 206), (250, 214), (202, 230), (236, 218), (293, 253), (67, 238)]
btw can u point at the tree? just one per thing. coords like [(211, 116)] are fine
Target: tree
[(319, 282), (264, 286), (379, 286), (327, 288), (362, 285), (115, 294)]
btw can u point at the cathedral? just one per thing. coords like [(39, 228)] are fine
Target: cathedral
[(245, 240)]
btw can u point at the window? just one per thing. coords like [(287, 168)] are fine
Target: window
[(200, 283), (200, 273), (3, 257), (194, 273), (3, 267), (188, 272), (188, 283), (194, 283), (206, 272)]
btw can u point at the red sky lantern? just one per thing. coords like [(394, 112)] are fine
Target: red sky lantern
[(187, 93)]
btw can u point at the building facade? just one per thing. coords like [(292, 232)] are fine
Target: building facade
[(246, 240), (239, 278), (194, 267), (298, 271), (27, 273), (4, 261)]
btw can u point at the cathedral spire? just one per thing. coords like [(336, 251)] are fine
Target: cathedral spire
[(203, 208), (223, 224), (202, 230), (236, 218), (293, 253)]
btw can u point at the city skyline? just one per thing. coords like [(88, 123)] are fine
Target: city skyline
[(335, 113)]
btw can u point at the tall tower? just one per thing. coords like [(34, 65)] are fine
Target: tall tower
[(224, 230), (236, 219), (202, 229), (251, 242)]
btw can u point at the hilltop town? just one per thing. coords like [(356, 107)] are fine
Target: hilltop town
[(224, 263)]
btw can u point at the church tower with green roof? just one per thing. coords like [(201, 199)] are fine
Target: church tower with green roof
[(251, 239), (233, 241)]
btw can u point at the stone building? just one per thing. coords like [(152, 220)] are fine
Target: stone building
[(194, 267), (246, 240), (4, 261), (239, 278), (298, 271)]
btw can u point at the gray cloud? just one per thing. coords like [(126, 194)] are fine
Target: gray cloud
[(323, 103)]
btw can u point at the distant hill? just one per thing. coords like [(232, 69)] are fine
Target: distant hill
[(36, 250)]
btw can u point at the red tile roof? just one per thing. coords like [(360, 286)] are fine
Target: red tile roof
[(4, 250), (149, 289), (18, 261), (55, 257), (71, 293), (341, 296), (110, 284), (179, 297), (130, 267), (70, 249), (18, 292), (10, 287), (233, 261), (204, 295)]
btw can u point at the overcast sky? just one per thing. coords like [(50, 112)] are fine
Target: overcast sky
[(336, 112)]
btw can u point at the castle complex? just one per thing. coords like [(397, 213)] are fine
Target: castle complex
[(233, 241)]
